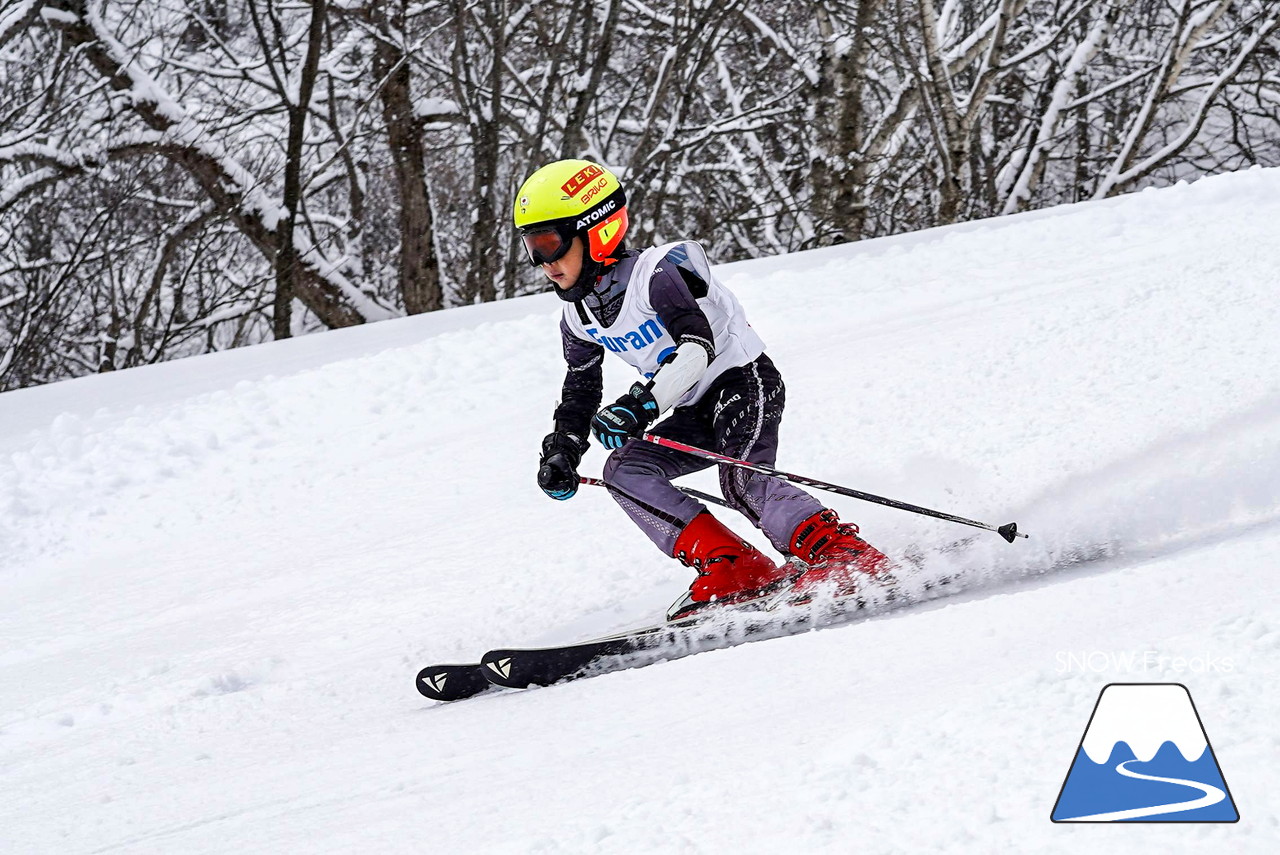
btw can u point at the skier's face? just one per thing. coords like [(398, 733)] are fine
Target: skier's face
[(566, 269)]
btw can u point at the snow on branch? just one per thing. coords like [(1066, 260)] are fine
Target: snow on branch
[(1197, 119), (802, 65), (16, 18), (232, 187), (397, 133), (1032, 165)]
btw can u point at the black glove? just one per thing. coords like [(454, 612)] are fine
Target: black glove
[(629, 416), (558, 468)]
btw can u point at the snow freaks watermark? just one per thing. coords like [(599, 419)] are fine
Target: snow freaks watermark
[(1139, 662)]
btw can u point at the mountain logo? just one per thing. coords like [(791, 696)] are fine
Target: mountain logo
[(502, 667), (1145, 757), (437, 682)]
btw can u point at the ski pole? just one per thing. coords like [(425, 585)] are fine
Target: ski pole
[(1008, 532), (688, 491)]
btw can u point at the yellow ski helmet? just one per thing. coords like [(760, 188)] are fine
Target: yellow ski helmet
[(567, 199)]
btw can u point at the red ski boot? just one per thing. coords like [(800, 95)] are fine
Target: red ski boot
[(837, 557), (730, 570)]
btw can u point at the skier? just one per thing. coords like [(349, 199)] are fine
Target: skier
[(663, 312)]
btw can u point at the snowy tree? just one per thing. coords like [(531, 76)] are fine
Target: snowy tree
[(182, 176)]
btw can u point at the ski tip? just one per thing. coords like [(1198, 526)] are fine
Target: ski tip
[(1010, 531), (496, 665), (450, 682), (545, 666)]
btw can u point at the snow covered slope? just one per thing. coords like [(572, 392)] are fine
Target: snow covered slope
[(218, 576)]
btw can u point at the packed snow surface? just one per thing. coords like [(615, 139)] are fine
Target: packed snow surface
[(219, 576)]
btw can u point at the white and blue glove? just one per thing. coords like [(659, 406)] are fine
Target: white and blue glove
[(627, 417)]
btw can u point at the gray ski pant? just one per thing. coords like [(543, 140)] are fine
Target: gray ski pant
[(738, 416)]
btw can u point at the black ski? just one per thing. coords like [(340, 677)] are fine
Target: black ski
[(451, 682), (520, 668), (550, 664)]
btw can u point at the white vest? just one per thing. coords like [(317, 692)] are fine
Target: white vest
[(640, 339)]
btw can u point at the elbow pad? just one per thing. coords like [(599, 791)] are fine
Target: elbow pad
[(679, 373)]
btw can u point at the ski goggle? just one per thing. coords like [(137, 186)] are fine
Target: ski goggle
[(547, 245)]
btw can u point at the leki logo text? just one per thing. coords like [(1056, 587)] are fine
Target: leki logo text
[(581, 179)]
